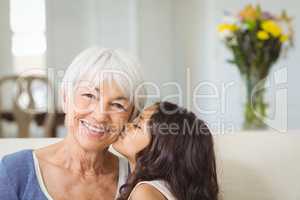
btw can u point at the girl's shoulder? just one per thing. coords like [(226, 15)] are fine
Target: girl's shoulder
[(146, 192), (155, 189)]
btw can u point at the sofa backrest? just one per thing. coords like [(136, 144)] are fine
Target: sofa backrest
[(251, 166), (259, 166)]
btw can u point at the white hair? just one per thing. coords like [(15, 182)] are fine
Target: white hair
[(112, 65)]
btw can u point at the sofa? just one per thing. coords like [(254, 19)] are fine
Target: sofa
[(251, 165)]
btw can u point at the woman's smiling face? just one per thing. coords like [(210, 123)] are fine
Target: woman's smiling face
[(136, 135), (96, 115)]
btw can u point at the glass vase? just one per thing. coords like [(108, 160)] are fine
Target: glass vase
[(255, 110)]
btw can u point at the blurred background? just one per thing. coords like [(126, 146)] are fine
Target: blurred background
[(176, 41)]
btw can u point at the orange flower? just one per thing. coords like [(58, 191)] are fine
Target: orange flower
[(249, 13)]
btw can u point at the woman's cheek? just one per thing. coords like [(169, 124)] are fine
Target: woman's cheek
[(118, 123)]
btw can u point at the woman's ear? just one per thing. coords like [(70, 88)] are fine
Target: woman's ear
[(64, 102)]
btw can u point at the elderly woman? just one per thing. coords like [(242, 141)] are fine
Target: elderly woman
[(100, 93)]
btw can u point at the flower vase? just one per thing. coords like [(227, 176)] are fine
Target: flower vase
[(255, 105)]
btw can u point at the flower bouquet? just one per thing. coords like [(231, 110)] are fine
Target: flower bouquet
[(256, 39)]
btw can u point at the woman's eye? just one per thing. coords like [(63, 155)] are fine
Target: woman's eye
[(88, 95), (119, 106)]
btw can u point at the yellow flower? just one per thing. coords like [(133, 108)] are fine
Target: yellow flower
[(271, 27), (284, 38), (263, 35), (229, 27)]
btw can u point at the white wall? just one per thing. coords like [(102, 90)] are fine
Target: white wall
[(5, 39), (196, 51), (72, 27), (113, 24), (67, 30), (144, 28), (189, 41), (155, 41)]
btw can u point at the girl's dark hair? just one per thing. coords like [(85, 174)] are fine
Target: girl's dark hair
[(181, 152)]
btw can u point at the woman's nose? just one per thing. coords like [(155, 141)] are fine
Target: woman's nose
[(101, 113)]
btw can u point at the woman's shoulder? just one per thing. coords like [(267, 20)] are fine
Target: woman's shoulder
[(18, 154), (15, 171), (17, 160), (17, 165)]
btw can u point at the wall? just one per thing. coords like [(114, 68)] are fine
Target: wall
[(144, 28), (67, 31), (113, 24), (5, 39), (155, 44), (196, 63), (189, 41)]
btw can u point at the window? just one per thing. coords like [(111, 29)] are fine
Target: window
[(28, 25)]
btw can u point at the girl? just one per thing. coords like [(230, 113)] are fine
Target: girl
[(171, 156)]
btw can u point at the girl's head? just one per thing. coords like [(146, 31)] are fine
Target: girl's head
[(136, 135), (169, 143)]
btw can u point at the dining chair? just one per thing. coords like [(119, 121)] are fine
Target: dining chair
[(26, 103)]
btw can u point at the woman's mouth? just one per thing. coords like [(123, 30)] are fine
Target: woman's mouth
[(94, 130)]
